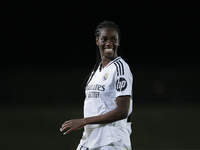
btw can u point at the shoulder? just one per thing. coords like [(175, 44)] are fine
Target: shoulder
[(121, 66), (124, 63)]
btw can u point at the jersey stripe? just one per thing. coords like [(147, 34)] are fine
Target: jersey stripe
[(120, 67), (117, 69)]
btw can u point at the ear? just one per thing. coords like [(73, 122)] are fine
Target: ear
[(97, 41)]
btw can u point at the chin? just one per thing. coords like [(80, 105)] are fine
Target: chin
[(110, 56)]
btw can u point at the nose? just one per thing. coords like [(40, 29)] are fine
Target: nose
[(108, 43)]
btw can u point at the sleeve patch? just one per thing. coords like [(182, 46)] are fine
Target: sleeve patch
[(121, 84)]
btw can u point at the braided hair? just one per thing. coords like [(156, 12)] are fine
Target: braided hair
[(102, 25), (107, 24)]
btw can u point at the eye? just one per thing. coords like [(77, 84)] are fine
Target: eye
[(114, 39), (103, 39)]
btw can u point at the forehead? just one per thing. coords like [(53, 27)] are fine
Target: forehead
[(108, 32)]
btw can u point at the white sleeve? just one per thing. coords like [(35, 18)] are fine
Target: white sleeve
[(123, 81)]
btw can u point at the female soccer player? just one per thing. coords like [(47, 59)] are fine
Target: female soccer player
[(108, 102)]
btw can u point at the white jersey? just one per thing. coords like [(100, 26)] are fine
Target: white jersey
[(112, 81)]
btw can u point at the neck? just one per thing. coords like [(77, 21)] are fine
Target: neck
[(106, 61)]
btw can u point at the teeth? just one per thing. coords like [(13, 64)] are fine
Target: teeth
[(108, 50)]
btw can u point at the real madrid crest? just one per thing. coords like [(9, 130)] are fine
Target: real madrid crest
[(105, 77)]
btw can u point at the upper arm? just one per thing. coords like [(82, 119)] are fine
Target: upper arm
[(123, 103)]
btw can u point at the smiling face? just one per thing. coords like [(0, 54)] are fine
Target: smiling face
[(108, 42)]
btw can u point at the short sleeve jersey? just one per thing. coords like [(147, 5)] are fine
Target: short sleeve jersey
[(101, 92)]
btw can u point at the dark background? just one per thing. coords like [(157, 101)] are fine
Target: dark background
[(48, 48)]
